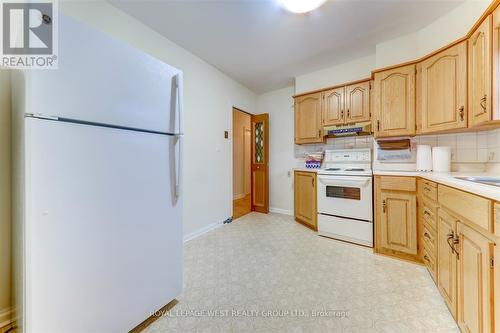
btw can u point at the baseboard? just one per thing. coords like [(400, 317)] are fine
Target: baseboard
[(280, 211), (202, 231), (6, 317)]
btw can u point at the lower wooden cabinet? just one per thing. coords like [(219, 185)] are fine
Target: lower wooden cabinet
[(396, 217), (398, 227), (446, 260), (305, 205), (475, 280)]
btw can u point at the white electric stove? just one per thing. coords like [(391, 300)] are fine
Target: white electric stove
[(345, 195)]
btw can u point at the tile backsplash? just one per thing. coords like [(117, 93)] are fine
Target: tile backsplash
[(335, 143), (472, 147)]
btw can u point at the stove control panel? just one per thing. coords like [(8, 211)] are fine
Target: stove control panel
[(348, 155)]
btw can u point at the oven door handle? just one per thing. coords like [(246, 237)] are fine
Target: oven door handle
[(344, 181)]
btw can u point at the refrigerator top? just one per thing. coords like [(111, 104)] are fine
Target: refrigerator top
[(103, 80)]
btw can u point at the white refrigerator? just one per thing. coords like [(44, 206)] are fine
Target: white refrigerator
[(97, 186)]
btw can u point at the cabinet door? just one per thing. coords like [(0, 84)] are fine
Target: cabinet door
[(395, 102), (443, 86), (398, 225), (357, 102), (475, 278), (305, 198), (496, 64), (308, 119), (333, 106), (480, 74), (447, 261)]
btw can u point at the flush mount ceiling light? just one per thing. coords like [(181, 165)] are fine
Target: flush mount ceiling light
[(301, 6)]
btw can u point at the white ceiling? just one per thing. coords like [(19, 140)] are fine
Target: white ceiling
[(264, 47)]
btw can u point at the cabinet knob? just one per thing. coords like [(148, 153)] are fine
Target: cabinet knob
[(384, 206), (461, 113)]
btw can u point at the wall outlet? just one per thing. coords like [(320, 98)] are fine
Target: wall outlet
[(226, 135)]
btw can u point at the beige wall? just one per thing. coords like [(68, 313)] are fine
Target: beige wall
[(209, 96), (5, 216), (241, 154)]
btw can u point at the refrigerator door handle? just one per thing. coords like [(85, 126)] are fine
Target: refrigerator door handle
[(178, 147), (179, 107)]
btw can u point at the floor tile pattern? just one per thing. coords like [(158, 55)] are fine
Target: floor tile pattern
[(266, 273)]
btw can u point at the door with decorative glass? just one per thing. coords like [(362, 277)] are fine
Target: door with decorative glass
[(260, 160)]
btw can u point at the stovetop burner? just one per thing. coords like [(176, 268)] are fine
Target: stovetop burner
[(332, 169)]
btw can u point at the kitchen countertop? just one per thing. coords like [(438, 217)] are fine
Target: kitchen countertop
[(447, 178)]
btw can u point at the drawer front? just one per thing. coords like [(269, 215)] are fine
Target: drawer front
[(429, 237), (430, 263), (408, 184), (429, 190), (429, 213), (474, 208)]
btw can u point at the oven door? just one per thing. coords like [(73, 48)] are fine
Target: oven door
[(345, 196)]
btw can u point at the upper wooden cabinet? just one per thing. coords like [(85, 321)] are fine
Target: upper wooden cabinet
[(333, 106), (443, 90), (305, 210), (357, 102), (480, 74), (395, 102), (308, 122), (347, 105), (496, 64)]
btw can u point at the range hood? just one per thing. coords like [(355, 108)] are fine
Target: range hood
[(364, 128)]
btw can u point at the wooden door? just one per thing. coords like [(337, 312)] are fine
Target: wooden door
[(395, 102), (480, 74), (446, 260), (357, 102), (475, 279), (308, 123), (305, 198), (443, 90), (333, 106), (398, 225), (260, 163)]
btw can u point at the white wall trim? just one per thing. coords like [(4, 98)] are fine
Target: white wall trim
[(280, 211), (6, 317), (204, 230)]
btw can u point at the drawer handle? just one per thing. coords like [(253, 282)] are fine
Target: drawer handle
[(426, 235), (427, 258), (427, 213), (450, 238), (427, 189)]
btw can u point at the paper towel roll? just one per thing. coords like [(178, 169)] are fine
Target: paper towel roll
[(424, 158), (441, 159)]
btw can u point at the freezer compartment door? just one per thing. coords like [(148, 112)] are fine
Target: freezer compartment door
[(101, 79), (103, 227)]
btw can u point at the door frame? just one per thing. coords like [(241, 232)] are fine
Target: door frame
[(235, 108)]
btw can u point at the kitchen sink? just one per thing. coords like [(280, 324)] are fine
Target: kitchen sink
[(495, 181)]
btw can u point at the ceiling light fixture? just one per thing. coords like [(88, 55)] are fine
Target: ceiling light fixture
[(301, 6)]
